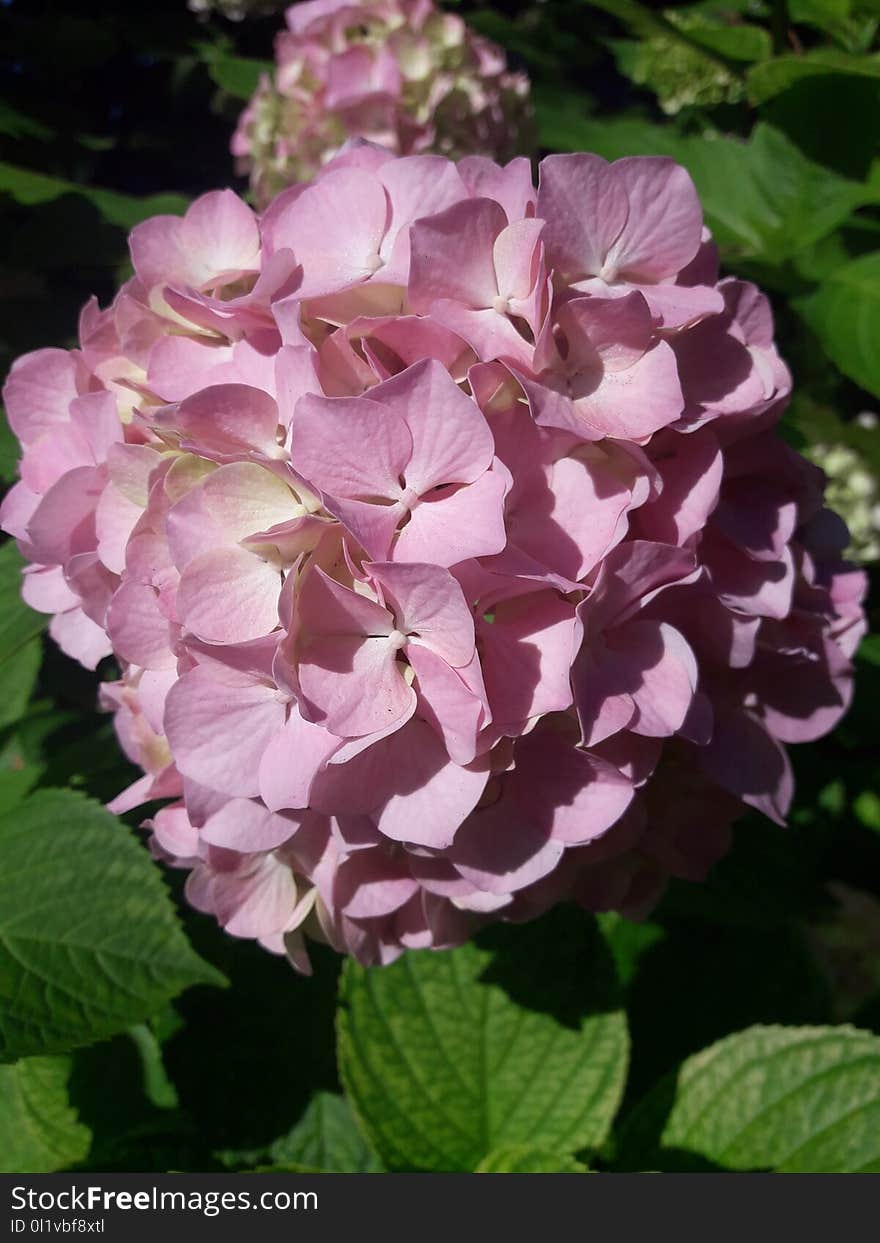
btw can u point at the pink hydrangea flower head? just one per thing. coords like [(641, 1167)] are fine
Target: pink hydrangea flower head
[(439, 528), (397, 72)]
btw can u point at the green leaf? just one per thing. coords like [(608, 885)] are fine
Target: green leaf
[(867, 809), (39, 1130), (517, 1038), (844, 313), (869, 650), (816, 114), (20, 648), (237, 75), (18, 676), (628, 942), (10, 451), (18, 623), (819, 12), (560, 116), (771, 77), (523, 1159), (681, 76), (790, 1099), (740, 42), (762, 198), (326, 1138), (125, 210), (89, 943), (16, 784), (15, 124)]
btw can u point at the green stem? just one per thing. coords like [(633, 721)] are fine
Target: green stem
[(779, 26)]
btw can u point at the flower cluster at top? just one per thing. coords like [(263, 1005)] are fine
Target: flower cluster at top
[(441, 532), (397, 72)]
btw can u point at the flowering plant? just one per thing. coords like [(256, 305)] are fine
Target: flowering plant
[(442, 533), (399, 72)]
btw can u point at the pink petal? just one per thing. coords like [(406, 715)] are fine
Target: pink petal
[(246, 825), (38, 392), (664, 226), (452, 255), (429, 606), (585, 207), (224, 420), (336, 247), (291, 761), (218, 731), (350, 447), (451, 440), (228, 595), (580, 796), (452, 700), (138, 628), (501, 851), (468, 522)]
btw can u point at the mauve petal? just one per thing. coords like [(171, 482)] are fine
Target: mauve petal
[(634, 403), (228, 595), (291, 761), (456, 709), (38, 392), (585, 207), (527, 652), (138, 628), (744, 759), (349, 448), (579, 795), (352, 685), (662, 675), (218, 732), (664, 226), (63, 524), (499, 851), (468, 522), (369, 886), (452, 255), (429, 607), (451, 440), (80, 638), (336, 247), (246, 825)]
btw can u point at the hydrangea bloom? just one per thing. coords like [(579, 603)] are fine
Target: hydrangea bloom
[(398, 72), (854, 491), (439, 527)]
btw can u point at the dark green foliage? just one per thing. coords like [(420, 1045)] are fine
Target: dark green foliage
[(711, 1037)]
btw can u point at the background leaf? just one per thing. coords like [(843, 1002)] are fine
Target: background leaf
[(18, 623), (235, 74), (525, 1160), (18, 676), (795, 1100), (39, 1130), (845, 315), (30, 188), (326, 1138), (774, 76), (517, 1038), (90, 944)]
